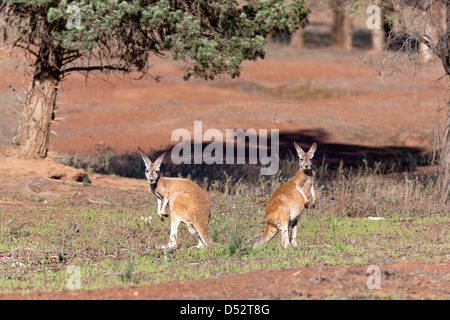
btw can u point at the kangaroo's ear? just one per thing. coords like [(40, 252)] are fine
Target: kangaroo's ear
[(312, 149), (147, 161), (300, 151), (159, 160)]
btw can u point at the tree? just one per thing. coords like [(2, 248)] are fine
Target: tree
[(378, 36), (418, 29), (298, 39), (341, 31), (61, 37), (425, 24)]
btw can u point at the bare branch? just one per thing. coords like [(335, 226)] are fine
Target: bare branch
[(14, 91), (94, 68)]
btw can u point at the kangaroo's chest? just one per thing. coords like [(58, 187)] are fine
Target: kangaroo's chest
[(154, 190)]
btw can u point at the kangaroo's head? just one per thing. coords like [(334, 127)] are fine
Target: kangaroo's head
[(304, 158), (152, 169)]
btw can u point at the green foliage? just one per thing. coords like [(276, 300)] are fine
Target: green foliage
[(125, 273), (214, 37)]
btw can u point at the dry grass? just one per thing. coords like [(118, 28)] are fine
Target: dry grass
[(112, 245)]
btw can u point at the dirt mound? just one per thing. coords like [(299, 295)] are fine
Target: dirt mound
[(34, 175), (46, 168)]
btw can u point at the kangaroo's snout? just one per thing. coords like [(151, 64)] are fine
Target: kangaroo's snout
[(306, 166)]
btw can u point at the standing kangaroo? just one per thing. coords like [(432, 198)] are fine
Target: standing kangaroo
[(287, 202), (187, 202)]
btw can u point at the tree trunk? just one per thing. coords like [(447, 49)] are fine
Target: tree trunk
[(33, 134), (434, 18), (347, 33), (378, 36), (297, 39), (341, 31), (378, 39), (444, 160)]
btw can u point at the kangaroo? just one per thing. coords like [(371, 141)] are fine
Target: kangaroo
[(288, 201), (187, 203), (305, 164)]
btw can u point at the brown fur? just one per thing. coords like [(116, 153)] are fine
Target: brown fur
[(308, 184), (187, 203), (285, 206)]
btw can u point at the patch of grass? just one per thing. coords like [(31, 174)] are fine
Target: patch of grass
[(126, 272), (113, 246), (290, 91)]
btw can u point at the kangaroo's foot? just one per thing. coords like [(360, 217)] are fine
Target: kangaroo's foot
[(171, 245), (200, 245), (163, 214)]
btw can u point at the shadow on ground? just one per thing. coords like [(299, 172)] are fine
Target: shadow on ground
[(388, 159)]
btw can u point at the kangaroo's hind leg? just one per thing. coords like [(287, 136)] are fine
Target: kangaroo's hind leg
[(174, 223), (204, 237), (285, 234), (293, 240), (193, 230)]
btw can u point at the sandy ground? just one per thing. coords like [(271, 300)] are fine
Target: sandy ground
[(332, 98), (398, 281)]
